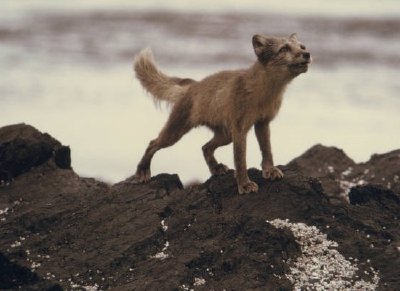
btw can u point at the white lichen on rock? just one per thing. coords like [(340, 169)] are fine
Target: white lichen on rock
[(162, 255), (321, 266), (199, 282), (164, 226), (4, 211)]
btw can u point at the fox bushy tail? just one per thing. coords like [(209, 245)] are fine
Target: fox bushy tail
[(159, 85)]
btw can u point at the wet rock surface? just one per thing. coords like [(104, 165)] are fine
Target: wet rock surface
[(62, 231)]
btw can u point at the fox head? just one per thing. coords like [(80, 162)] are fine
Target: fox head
[(284, 54)]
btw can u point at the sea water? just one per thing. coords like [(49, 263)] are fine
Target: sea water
[(66, 68)]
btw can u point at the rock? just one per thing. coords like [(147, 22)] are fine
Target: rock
[(13, 276), (22, 147), (320, 161), (62, 157), (384, 197), (85, 234), (338, 173), (383, 169)]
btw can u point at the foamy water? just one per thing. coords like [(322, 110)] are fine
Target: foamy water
[(66, 69)]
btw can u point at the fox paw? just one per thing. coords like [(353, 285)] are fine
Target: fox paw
[(220, 169), (247, 187), (272, 173), (142, 176)]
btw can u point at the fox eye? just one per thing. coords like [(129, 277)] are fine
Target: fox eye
[(303, 47), (284, 49)]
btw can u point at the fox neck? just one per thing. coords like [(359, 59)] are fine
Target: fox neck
[(272, 75), (270, 81)]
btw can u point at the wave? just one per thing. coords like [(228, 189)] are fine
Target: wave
[(193, 39)]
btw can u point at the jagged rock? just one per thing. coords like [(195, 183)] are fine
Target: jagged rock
[(338, 173), (383, 169), (320, 161), (82, 233), (23, 147)]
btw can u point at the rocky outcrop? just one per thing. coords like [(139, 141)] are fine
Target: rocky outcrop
[(64, 231), (338, 173), (22, 147)]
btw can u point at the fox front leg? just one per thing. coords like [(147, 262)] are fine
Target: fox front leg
[(245, 185), (264, 140)]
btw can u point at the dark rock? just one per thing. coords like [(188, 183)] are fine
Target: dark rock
[(62, 157), (338, 173), (383, 169), (161, 236), (374, 194), (22, 147), (13, 275), (320, 161)]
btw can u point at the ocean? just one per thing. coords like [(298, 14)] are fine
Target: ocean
[(66, 68)]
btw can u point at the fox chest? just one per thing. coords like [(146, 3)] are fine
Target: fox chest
[(269, 107)]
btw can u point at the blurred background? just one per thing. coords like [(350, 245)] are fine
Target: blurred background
[(66, 68)]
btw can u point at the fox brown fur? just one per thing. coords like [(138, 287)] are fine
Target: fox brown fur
[(228, 102)]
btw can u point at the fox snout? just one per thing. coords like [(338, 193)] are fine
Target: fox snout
[(306, 56)]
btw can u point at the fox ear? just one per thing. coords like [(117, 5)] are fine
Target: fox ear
[(262, 48), (293, 36), (259, 42)]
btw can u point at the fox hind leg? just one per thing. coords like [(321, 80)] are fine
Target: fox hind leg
[(177, 125), (220, 138)]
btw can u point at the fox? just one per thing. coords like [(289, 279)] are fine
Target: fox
[(228, 102)]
